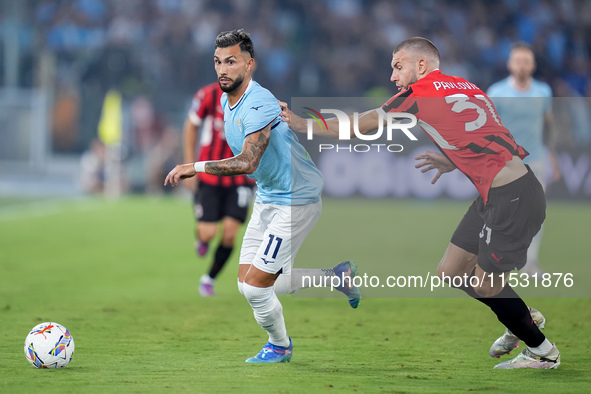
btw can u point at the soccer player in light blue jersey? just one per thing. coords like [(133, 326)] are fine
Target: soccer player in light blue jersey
[(287, 204), (524, 105)]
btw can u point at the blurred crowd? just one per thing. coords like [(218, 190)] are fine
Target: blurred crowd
[(161, 50), (312, 47)]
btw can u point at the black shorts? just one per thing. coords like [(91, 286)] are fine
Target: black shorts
[(500, 232), (213, 203)]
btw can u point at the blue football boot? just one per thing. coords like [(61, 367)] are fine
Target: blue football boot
[(346, 271), (273, 354)]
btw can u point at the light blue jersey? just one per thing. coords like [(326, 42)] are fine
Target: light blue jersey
[(286, 175), (523, 114)]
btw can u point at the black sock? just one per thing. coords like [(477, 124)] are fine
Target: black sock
[(221, 256), (512, 312)]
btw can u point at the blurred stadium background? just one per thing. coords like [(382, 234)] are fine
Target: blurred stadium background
[(59, 59)]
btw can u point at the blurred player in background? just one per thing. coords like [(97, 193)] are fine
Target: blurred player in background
[(215, 198), (493, 237), (525, 114), (92, 168), (287, 204)]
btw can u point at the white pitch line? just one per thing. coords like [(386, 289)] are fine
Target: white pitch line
[(41, 209)]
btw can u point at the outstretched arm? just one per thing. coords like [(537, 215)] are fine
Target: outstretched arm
[(367, 122), (244, 163), (434, 161), (190, 138)]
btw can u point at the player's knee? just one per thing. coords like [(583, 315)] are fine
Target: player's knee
[(248, 292), (446, 268), (263, 301), (446, 272), (482, 292), (255, 295), (240, 286), (229, 231), (485, 290), (441, 271), (206, 231), (206, 236), (228, 240)]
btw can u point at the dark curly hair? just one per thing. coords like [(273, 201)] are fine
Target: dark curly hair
[(235, 37)]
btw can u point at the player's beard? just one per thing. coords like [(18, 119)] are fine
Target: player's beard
[(523, 76), (413, 79), (235, 84)]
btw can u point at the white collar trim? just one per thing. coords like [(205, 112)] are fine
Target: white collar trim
[(241, 97)]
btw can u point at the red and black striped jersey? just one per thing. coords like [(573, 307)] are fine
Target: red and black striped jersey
[(206, 112), (463, 122)]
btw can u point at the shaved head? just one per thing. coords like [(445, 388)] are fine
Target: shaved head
[(412, 60), (419, 47)]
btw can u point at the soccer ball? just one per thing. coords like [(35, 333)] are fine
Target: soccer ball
[(49, 345)]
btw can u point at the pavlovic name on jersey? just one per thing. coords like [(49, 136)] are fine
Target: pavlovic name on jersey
[(453, 85)]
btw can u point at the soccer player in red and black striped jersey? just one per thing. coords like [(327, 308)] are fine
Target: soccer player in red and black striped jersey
[(493, 237), (216, 198)]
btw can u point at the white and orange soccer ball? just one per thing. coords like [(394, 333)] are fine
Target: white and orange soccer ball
[(49, 345)]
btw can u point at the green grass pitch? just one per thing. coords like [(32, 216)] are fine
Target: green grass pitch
[(122, 276)]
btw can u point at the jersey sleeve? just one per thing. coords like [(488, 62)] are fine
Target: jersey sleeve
[(260, 112), (402, 102), (201, 107)]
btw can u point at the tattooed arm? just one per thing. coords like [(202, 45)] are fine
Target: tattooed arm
[(244, 163), (247, 161)]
